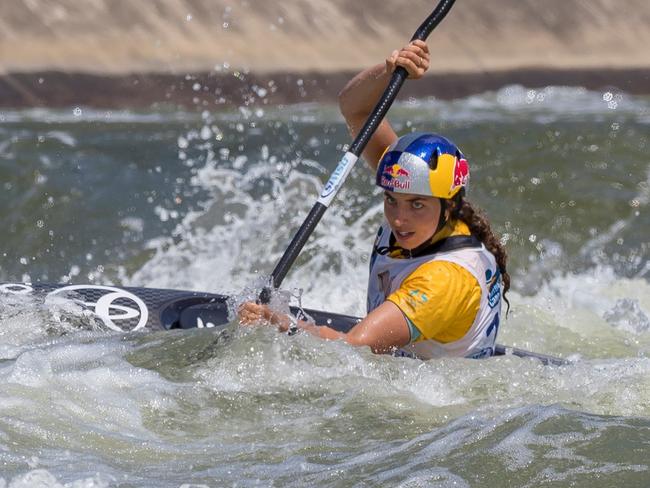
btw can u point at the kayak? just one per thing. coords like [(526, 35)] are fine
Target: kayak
[(130, 309)]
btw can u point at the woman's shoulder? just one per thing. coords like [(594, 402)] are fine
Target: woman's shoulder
[(441, 275), (437, 282), (439, 297)]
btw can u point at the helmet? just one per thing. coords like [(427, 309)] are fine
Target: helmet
[(423, 164)]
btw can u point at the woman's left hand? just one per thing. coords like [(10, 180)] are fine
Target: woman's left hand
[(255, 314)]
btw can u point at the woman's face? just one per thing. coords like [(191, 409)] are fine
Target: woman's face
[(412, 218)]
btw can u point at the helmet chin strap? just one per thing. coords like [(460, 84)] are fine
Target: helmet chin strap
[(444, 206), (442, 220), (452, 205)]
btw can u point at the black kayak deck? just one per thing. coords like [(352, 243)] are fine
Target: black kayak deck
[(130, 308)]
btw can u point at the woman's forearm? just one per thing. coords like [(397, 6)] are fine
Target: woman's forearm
[(383, 330), (360, 94), (356, 101), (322, 331)]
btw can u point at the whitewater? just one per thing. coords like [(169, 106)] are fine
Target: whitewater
[(209, 201)]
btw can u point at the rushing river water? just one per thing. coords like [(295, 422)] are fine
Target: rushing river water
[(209, 202)]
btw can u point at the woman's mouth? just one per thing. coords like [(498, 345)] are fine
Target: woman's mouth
[(404, 236)]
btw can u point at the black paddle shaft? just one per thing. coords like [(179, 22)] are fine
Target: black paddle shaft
[(357, 147)]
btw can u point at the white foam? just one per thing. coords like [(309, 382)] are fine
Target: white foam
[(130, 401), (42, 478)]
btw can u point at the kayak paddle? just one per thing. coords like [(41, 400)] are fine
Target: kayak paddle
[(349, 159)]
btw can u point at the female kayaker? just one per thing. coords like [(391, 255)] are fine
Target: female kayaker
[(437, 271)]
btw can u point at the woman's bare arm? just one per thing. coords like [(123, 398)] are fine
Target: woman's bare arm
[(360, 95), (383, 330)]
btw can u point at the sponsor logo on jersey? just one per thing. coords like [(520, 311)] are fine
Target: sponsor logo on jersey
[(493, 283)]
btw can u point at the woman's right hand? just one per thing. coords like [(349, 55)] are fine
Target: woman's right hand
[(414, 58), (251, 313)]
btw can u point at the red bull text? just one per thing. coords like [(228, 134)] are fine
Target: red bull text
[(396, 177)]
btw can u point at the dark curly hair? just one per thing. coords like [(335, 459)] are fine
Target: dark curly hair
[(479, 226)]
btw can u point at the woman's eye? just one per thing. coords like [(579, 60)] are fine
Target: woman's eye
[(417, 205), (389, 199)]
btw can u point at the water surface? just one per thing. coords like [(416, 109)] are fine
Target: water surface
[(209, 202)]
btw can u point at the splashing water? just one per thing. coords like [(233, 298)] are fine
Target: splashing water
[(210, 202)]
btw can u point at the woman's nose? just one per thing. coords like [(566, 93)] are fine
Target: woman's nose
[(401, 215)]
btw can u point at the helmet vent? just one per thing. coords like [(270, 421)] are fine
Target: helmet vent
[(433, 162)]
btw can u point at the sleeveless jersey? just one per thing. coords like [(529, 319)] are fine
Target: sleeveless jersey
[(388, 273)]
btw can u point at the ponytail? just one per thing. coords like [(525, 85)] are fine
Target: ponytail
[(479, 226)]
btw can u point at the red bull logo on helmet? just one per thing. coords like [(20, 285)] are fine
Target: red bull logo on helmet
[(461, 174), (396, 176)]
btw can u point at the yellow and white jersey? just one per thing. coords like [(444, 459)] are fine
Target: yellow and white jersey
[(450, 296)]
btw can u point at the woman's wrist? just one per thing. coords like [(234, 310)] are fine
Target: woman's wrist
[(291, 324), (281, 320)]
